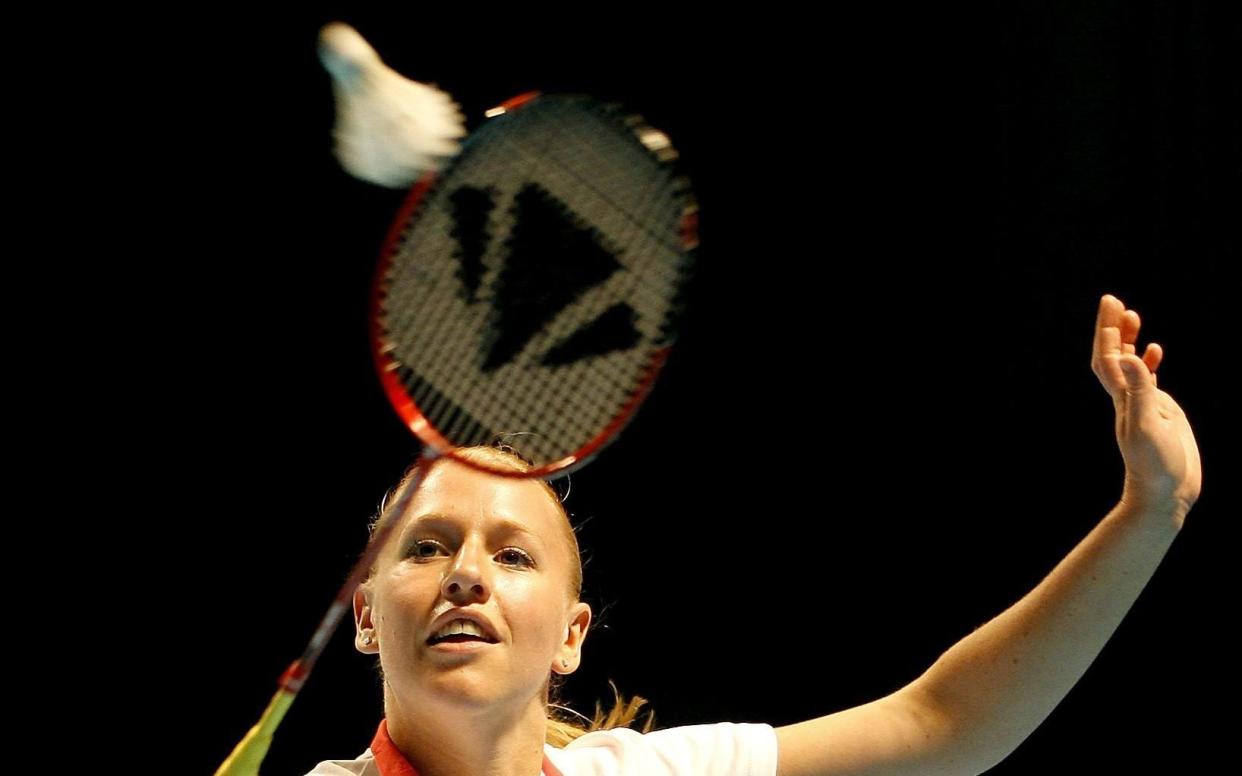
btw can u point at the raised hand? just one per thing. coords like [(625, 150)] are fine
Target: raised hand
[(1157, 444)]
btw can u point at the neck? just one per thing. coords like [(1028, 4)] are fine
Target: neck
[(461, 741)]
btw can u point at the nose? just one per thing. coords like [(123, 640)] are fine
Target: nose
[(467, 578)]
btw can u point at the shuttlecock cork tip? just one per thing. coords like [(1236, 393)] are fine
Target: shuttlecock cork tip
[(344, 52)]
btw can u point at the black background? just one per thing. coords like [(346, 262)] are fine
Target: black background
[(880, 427)]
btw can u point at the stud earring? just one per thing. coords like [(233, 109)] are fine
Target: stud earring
[(366, 640)]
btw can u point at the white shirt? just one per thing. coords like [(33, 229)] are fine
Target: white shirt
[(720, 749)]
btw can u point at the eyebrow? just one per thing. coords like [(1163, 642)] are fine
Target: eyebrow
[(503, 526)]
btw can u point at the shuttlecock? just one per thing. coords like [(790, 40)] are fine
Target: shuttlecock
[(389, 129)]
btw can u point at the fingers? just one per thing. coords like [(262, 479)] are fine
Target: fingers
[(1129, 330), (1152, 357), (1108, 361), (1107, 346), (1116, 334), (1109, 314), (1106, 342)]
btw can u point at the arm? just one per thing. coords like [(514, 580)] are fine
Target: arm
[(985, 695)]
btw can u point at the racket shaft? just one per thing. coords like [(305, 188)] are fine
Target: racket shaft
[(248, 755)]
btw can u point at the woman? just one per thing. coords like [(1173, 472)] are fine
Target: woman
[(473, 608)]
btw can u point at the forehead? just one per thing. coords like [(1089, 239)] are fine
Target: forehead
[(457, 492)]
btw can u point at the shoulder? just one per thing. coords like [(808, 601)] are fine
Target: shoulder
[(720, 749), (363, 765)]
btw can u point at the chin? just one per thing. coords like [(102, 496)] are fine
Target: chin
[(461, 694)]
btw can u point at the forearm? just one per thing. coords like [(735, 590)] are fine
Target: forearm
[(998, 684)]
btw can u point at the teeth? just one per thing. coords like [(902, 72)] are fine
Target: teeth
[(461, 626)]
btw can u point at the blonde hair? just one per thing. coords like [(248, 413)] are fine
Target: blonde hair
[(564, 724)]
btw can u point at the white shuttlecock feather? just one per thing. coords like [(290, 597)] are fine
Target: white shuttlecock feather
[(389, 129)]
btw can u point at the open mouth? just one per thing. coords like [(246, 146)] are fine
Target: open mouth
[(462, 630), (459, 638)]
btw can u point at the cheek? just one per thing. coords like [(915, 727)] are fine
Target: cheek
[(535, 613), (404, 609)]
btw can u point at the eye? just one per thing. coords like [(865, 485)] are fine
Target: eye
[(425, 549), (418, 547), (516, 555)]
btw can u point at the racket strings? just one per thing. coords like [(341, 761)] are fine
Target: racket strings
[(538, 287)]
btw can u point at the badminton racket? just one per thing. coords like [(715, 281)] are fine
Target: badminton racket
[(534, 284)]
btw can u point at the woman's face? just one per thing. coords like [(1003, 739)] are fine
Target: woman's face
[(490, 545)]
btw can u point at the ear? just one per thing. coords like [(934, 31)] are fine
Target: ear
[(569, 655), (364, 626)]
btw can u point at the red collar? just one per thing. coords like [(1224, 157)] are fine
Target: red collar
[(392, 763)]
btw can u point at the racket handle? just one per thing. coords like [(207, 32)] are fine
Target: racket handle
[(248, 755)]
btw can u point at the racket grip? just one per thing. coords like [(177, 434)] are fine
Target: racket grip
[(248, 755)]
